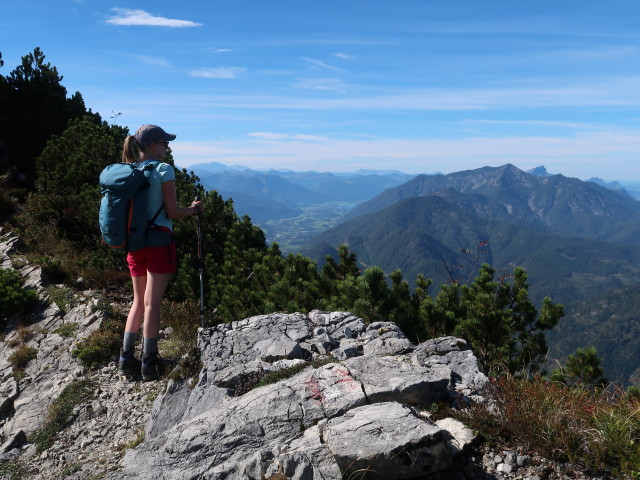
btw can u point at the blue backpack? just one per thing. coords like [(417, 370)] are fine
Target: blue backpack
[(123, 216)]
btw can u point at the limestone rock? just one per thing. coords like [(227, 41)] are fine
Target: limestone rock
[(354, 411), (455, 353), (461, 436), (389, 439), (396, 378), (385, 338), (27, 400)]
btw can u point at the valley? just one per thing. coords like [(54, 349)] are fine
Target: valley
[(292, 233)]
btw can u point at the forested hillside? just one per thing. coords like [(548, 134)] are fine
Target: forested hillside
[(437, 234), (609, 321)]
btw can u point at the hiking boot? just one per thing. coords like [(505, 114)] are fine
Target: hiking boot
[(128, 363), (152, 367)]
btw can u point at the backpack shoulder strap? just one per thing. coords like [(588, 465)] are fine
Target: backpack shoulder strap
[(152, 221), (147, 168)]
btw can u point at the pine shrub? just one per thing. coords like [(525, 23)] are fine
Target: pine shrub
[(101, 346), (13, 297)]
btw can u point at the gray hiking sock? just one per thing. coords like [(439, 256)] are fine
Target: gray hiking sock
[(129, 341), (149, 346)]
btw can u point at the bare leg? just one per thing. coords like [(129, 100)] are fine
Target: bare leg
[(134, 319), (156, 286)]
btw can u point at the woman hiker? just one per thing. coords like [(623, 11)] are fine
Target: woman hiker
[(151, 267)]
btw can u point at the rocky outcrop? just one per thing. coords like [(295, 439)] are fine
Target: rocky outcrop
[(24, 400), (350, 398)]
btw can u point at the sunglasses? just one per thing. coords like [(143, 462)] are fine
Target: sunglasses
[(166, 144)]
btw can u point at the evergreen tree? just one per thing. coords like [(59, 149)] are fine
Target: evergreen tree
[(347, 265), (583, 367), (295, 285), (67, 175), (404, 308), (337, 280), (497, 318), (373, 302), (36, 107)]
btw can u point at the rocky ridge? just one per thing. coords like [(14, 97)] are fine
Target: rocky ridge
[(351, 398)]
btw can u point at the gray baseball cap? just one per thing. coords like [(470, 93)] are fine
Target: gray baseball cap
[(147, 134)]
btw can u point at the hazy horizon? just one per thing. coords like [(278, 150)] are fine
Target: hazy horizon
[(631, 182)]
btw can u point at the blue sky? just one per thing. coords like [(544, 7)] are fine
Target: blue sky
[(413, 85)]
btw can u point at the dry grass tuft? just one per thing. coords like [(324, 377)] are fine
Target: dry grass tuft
[(598, 429)]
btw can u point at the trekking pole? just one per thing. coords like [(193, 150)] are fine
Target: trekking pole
[(200, 265)]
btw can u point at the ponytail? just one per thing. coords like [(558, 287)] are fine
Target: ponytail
[(129, 150)]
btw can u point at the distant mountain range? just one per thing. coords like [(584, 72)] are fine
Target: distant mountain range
[(630, 187), (571, 236), (578, 240), (555, 204), (272, 194)]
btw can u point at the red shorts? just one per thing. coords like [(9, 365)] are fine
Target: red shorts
[(152, 259)]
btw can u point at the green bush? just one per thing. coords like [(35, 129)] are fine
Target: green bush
[(23, 335), (274, 377), (263, 379), (63, 297), (67, 330), (13, 297), (100, 346)]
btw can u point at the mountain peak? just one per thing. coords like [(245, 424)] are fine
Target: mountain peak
[(615, 185), (540, 171)]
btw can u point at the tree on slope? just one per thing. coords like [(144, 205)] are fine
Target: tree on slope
[(499, 320), (36, 107), (582, 367)]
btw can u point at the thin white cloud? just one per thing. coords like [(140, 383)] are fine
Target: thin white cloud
[(343, 56), (218, 72), (157, 61), (321, 64), (614, 93), (221, 50), (271, 136), (324, 84), (547, 123), (128, 17)]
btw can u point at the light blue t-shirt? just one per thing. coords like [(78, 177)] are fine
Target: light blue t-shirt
[(162, 173)]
